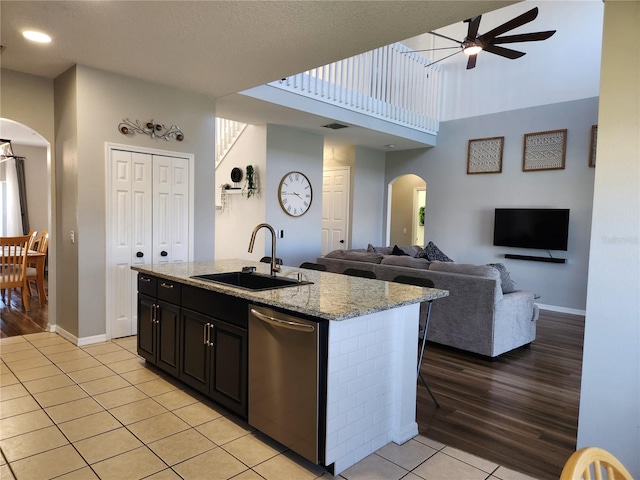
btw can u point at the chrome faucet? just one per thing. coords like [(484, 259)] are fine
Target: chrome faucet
[(274, 265)]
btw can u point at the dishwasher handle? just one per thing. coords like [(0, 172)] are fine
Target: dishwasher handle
[(278, 322)]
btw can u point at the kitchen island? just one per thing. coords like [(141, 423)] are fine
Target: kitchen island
[(368, 364)]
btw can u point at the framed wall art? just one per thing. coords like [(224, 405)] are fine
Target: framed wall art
[(592, 148), (544, 150), (484, 155)]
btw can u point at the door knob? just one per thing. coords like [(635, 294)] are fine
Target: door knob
[(139, 254), (163, 253), (341, 241)]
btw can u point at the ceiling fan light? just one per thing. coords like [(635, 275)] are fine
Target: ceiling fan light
[(472, 49)]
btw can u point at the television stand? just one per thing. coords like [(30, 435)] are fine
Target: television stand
[(535, 259)]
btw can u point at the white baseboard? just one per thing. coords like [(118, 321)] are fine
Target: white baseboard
[(554, 308), (80, 342)]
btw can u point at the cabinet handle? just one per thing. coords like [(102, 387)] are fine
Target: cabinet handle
[(166, 285), (210, 342), (145, 279), (156, 307), (205, 337)]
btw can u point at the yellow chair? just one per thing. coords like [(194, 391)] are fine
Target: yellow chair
[(13, 266), (590, 462)]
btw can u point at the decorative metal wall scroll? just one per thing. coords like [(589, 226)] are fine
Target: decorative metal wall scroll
[(592, 148), (544, 150), (485, 155), (154, 130)]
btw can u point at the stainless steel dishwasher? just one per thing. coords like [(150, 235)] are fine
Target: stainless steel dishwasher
[(285, 388)]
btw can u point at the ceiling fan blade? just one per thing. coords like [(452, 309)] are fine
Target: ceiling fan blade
[(524, 37), (471, 63), (444, 36), (474, 24), (504, 52), (510, 25)]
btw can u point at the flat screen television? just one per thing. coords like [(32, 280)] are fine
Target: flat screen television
[(542, 228)]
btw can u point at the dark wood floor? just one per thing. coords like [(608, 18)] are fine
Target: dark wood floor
[(15, 321), (520, 410)]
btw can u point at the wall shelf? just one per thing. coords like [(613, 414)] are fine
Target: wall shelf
[(535, 259)]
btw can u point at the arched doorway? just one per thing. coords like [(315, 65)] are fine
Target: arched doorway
[(28, 143), (407, 195)]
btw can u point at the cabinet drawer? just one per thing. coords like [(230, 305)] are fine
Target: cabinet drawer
[(169, 291), (147, 284)]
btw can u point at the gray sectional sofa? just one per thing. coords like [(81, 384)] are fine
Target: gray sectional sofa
[(477, 316)]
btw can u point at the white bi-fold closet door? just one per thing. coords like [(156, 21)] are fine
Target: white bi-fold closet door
[(148, 221)]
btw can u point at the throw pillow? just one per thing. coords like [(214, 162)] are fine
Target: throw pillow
[(508, 285), (398, 251), (434, 254)]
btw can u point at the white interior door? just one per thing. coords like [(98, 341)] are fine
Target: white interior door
[(149, 212), (130, 234), (335, 209), (170, 209)]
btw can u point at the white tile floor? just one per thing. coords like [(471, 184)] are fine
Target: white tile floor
[(98, 412)]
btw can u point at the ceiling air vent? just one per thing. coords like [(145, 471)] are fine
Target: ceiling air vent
[(335, 126)]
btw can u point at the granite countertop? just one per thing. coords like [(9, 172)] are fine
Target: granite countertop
[(331, 296)]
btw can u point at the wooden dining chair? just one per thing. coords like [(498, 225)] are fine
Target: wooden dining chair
[(13, 265), (32, 271), (32, 238), (594, 463)]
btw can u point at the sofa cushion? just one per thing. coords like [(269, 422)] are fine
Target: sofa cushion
[(466, 269), (357, 256), (508, 285), (406, 261), (434, 254), (382, 250), (398, 252)]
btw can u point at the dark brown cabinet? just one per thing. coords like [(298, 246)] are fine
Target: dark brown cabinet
[(214, 359), (197, 335), (158, 317)]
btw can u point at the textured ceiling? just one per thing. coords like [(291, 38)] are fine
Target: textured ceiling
[(213, 47), (218, 48)]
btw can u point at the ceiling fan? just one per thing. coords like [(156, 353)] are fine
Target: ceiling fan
[(489, 41)]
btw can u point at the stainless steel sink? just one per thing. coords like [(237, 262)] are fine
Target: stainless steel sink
[(251, 281)]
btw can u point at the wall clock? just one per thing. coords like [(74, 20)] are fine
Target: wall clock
[(295, 194)]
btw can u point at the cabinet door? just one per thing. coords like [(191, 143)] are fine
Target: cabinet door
[(229, 382), (195, 358), (167, 336), (146, 328)]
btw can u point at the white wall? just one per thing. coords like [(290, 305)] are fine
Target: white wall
[(562, 68), (235, 223), (368, 198), (610, 390), (288, 150), (460, 207), (89, 105)]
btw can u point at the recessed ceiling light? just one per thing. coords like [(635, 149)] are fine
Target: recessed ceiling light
[(391, 145), (36, 36)]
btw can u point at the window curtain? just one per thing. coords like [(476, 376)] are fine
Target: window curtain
[(22, 192), (15, 226)]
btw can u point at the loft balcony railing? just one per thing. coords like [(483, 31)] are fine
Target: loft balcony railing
[(227, 132), (391, 83)]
